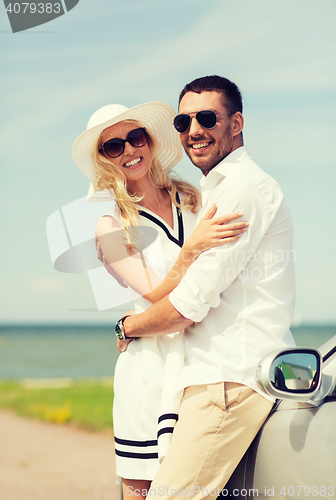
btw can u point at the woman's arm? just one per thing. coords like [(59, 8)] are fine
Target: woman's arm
[(208, 233), (135, 270)]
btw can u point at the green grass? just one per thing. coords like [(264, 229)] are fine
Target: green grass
[(86, 404)]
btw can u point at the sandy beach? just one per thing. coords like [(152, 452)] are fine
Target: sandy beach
[(42, 461)]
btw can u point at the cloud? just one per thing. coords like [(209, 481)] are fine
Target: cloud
[(280, 53), (264, 46), (47, 284)]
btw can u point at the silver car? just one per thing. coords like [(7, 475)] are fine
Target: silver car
[(294, 454)]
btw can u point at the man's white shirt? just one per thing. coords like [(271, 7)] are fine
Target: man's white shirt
[(240, 295)]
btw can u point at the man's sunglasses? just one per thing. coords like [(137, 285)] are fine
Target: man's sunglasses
[(206, 118), (115, 147)]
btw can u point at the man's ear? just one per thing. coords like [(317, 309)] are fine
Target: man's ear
[(237, 123)]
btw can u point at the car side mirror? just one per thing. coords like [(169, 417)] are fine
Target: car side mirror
[(292, 373)]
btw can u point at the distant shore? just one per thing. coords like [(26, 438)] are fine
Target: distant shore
[(90, 351)]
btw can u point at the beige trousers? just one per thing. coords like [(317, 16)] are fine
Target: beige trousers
[(217, 423)]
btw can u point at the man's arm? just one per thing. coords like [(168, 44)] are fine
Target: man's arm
[(215, 269), (161, 318)]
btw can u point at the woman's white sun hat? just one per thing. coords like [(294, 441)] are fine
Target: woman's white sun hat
[(156, 117)]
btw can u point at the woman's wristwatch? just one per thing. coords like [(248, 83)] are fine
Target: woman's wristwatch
[(119, 329)]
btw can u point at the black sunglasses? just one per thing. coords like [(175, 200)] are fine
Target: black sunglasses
[(115, 147), (206, 118)]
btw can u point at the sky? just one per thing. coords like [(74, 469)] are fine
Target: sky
[(54, 76)]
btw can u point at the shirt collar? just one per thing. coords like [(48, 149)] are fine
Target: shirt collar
[(223, 168)]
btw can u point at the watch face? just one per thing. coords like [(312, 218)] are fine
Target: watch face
[(119, 330)]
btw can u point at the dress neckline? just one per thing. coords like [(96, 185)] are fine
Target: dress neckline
[(140, 208), (170, 231)]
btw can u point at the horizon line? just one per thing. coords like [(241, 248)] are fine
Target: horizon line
[(95, 324)]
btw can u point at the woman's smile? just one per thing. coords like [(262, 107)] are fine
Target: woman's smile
[(134, 162)]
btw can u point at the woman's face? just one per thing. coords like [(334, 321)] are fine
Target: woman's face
[(134, 162)]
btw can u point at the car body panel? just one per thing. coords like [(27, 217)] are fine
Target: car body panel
[(294, 453), (303, 451)]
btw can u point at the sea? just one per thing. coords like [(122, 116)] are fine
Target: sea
[(87, 351)]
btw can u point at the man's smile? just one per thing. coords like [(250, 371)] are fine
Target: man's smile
[(200, 145)]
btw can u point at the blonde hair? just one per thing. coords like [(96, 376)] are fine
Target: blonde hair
[(108, 176)]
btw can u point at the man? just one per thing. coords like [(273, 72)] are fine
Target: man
[(235, 302)]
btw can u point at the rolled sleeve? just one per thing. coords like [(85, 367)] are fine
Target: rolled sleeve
[(217, 268)]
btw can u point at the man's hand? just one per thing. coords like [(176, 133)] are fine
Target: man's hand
[(123, 344)]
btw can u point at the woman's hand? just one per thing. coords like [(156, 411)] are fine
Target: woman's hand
[(213, 232), (123, 344)]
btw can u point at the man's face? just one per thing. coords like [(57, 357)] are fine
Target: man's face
[(206, 147)]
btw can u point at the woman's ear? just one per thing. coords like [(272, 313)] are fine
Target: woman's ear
[(237, 123)]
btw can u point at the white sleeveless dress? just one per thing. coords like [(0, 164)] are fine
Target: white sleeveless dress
[(147, 374)]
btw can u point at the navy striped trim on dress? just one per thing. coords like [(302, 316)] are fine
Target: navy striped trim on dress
[(128, 442), (151, 217), (168, 416), (135, 444), (143, 456), (170, 429), (165, 430)]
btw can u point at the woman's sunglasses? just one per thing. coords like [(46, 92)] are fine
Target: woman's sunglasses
[(206, 118), (115, 147)]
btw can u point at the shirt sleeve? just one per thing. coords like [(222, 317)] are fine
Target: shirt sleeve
[(217, 268)]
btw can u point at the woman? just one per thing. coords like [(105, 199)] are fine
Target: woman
[(127, 154)]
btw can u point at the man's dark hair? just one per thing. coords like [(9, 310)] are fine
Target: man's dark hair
[(230, 93)]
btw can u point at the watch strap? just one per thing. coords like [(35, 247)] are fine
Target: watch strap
[(119, 328)]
